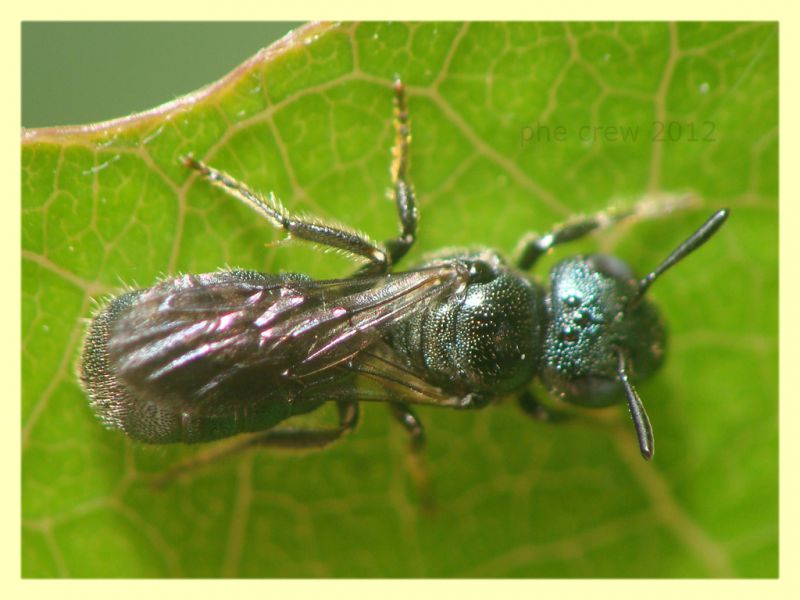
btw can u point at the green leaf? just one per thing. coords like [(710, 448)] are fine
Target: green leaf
[(511, 133)]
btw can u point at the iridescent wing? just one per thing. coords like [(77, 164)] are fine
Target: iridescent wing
[(208, 342)]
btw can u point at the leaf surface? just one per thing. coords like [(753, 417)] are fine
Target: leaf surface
[(516, 127)]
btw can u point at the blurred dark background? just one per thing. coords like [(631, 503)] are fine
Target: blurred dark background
[(77, 73)]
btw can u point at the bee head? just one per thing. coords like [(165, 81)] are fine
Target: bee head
[(601, 330)]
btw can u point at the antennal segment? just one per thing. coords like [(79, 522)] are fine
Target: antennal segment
[(640, 420), (692, 243)]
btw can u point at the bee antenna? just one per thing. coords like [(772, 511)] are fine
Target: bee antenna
[(640, 420), (689, 245)]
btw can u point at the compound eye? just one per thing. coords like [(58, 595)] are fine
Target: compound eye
[(610, 266), (594, 392), (480, 272)]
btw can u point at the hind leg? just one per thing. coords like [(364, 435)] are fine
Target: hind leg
[(276, 438)]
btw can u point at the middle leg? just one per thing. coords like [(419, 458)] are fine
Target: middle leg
[(419, 475), (402, 190)]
